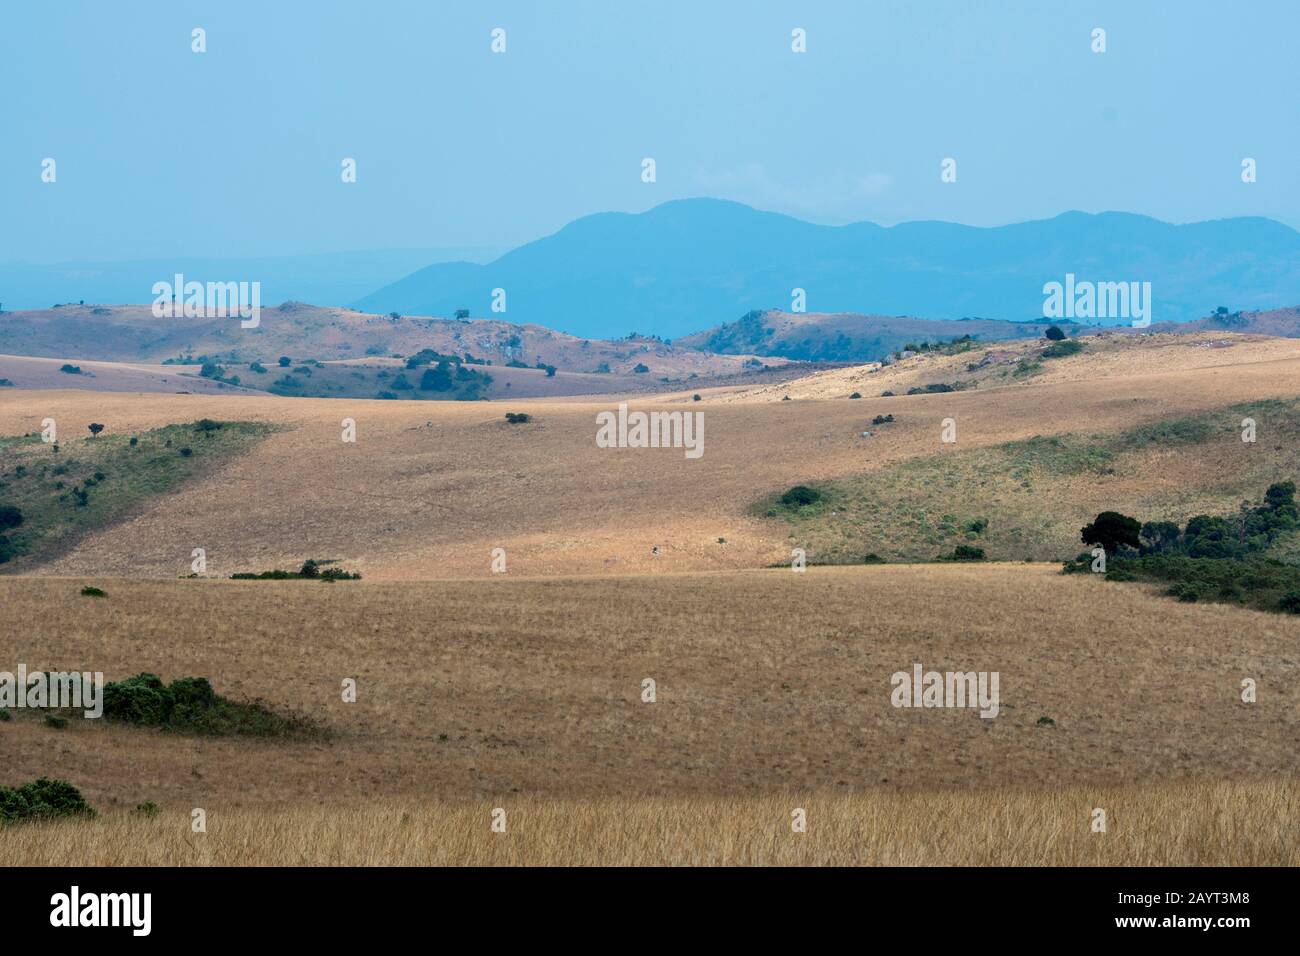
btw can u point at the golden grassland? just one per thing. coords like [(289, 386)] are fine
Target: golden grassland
[(428, 490), (1036, 496), (1108, 357), (523, 690), (767, 682), (1245, 823)]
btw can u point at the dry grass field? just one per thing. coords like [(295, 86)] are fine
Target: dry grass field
[(1109, 357), (523, 690), (26, 372), (1186, 824), (429, 489), (767, 681)]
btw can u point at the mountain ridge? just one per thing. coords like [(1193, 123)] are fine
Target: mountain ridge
[(684, 265)]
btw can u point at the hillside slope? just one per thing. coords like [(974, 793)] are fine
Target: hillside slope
[(429, 489), (848, 336), (130, 333)]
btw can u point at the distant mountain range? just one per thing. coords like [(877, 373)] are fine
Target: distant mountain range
[(327, 278), (688, 265)]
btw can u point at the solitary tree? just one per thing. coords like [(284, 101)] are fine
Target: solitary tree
[(1113, 531), (95, 428), (1054, 333), (284, 361)]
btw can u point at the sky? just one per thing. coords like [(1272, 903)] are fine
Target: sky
[(237, 151)]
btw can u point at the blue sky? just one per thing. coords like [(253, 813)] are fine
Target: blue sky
[(237, 151)]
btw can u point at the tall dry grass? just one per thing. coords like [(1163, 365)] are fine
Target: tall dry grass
[(1174, 824)]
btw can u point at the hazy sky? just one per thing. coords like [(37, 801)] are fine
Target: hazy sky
[(237, 151)]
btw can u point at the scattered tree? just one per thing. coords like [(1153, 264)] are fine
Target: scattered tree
[(1112, 531)]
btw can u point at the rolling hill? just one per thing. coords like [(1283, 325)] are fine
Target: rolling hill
[(131, 334), (849, 337), (683, 265)]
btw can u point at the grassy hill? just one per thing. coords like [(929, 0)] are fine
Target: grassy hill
[(80, 484), (1027, 500), (848, 336)]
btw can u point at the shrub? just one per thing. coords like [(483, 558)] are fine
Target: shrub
[(95, 428), (283, 361), (1290, 602), (873, 558), (142, 699), (89, 591), (882, 419), (695, 397), (10, 517), (42, 799), (70, 369), (641, 368), (55, 722), (191, 706), (886, 394), (437, 379), (1054, 333), (965, 552), (208, 425), (518, 418), (931, 389), (193, 692), (186, 452), (310, 571), (146, 809), (856, 395), (257, 368), (801, 495), (1063, 349)]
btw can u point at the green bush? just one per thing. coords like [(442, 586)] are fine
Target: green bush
[(142, 699), (190, 706), (965, 552), (193, 692), (89, 591), (42, 799), (518, 418), (801, 495), (1063, 349), (10, 517)]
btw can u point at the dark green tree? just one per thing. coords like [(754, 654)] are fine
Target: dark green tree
[(1112, 531)]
